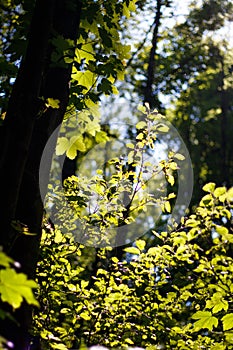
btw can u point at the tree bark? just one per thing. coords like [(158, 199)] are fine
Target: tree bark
[(148, 97), (224, 125), (25, 132)]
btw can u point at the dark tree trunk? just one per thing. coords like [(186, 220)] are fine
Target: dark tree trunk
[(27, 128), (224, 127), (148, 96)]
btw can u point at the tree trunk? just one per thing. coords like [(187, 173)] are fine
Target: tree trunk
[(148, 97), (26, 130), (224, 126)]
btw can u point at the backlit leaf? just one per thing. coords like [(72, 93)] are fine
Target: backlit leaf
[(179, 156), (209, 187), (62, 145), (205, 320), (14, 287), (85, 79), (141, 125), (140, 244), (132, 250), (50, 102), (5, 260), (227, 321)]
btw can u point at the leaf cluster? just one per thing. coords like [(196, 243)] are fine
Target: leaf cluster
[(176, 294)]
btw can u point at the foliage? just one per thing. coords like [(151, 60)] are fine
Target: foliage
[(109, 199), (14, 22), (192, 84), (100, 54), (172, 291), (176, 294), (14, 287)]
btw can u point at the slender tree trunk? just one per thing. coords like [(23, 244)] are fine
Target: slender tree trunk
[(148, 97), (27, 128), (224, 125), (121, 235)]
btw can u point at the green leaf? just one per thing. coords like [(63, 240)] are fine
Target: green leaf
[(51, 102), (14, 287), (130, 145), (205, 320), (86, 79), (140, 244), (152, 251), (227, 213), (222, 230), (140, 136), (105, 86), (207, 200), (76, 144), (101, 136), (62, 145), (167, 206), (217, 303), (5, 260), (219, 191), (86, 52), (141, 125), (179, 156), (105, 36), (128, 341), (227, 321), (142, 109), (132, 6), (173, 166), (59, 237), (132, 250), (85, 316), (209, 187), (170, 180), (162, 128), (229, 194), (58, 346)]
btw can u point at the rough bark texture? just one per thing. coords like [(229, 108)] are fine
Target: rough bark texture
[(27, 128)]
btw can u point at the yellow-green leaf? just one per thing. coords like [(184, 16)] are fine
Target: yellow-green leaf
[(209, 187), (227, 321), (85, 316), (132, 250), (130, 145), (179, 156), (153, 251), (5, 260), (170, 179), (167, 206), (76, 144), (217, 303), (51, 102), (222, 230), (85, 79), (141, 125), (142, 109), (140, 244), (86, 52), (219, 191), (14, 287), (162, 128), (204, 320), (62, 145)]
